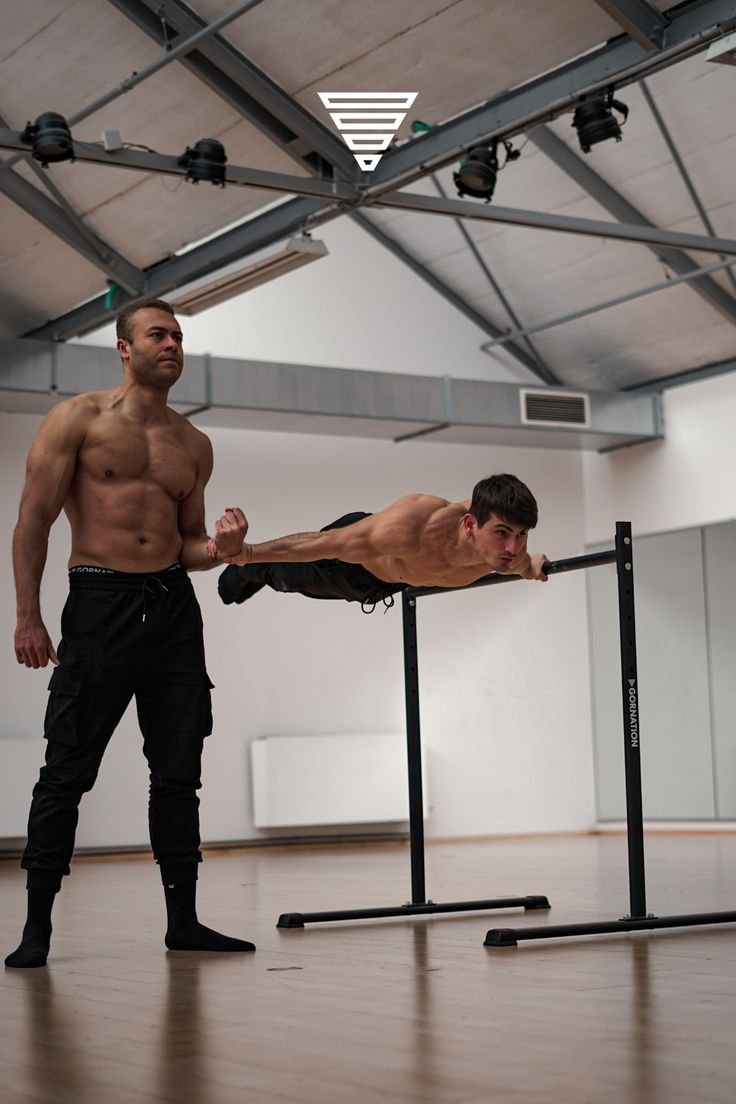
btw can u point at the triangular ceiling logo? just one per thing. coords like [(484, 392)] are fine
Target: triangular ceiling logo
[(367, 121)]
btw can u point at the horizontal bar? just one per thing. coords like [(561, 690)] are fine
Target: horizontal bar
[(509, 937), (299, 919), (552, 567)]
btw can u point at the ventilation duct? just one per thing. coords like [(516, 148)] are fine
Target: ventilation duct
[(554, 408)]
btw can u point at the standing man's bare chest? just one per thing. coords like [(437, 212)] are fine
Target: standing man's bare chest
[(116, 453)]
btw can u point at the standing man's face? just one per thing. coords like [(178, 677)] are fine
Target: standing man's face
[(154, 356)]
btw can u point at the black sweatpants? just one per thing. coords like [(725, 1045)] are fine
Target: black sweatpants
[(124, 635), (322, 579)]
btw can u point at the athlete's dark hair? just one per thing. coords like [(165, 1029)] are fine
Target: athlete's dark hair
[(122, 325), (506, 496)]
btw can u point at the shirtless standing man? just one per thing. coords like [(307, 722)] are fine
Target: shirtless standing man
[(130, 475), (419, 540)]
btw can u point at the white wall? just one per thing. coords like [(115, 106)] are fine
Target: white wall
[(504, 672), (686, 479)]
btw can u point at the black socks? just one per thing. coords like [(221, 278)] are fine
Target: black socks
[(237, 584), (184, 932), (34, 946)]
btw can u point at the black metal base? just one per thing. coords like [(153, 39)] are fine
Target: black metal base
[(299, 919), (509, 937)]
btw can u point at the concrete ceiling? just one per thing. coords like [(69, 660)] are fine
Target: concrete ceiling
[(254, 86)]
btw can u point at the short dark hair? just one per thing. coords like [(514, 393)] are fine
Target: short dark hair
[(122, 325), (507, 497)]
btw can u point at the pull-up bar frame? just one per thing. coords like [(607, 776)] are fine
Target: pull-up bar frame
[(419, 905), (638, 918)]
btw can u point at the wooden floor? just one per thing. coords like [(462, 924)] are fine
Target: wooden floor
[(396, 1010)]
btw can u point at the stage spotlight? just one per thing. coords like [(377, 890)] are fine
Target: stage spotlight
[(594, 119), (50, 138), (477, 173), (206, 161)]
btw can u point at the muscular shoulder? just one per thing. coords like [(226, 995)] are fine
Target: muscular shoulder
[(69, 420), (197, 443)]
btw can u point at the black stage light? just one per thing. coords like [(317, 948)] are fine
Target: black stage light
[(206, 161), (50, 138), (477, 173), (594, 119)]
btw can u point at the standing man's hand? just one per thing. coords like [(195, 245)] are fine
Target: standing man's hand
[(230, 531), (33, 645)]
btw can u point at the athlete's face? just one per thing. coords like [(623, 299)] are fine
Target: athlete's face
[(499, 541), (154, 356)]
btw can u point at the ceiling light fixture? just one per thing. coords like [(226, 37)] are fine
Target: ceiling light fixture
[(206, 161), (296, 252), (50, 138), (477, 173), (594, 119)]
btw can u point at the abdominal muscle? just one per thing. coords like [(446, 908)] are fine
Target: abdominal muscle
[(131, 526)]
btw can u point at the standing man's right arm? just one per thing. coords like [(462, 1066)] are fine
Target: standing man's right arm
[(50, 468)]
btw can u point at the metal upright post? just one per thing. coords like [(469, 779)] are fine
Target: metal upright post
[(414, 749), (631, 722)]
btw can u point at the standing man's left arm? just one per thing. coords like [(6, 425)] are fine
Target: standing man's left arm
[(199, 552)]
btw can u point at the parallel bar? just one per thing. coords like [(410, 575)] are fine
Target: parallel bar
[(553, 567), (414, 750), (509, 937), (630, 711), (299, 919)]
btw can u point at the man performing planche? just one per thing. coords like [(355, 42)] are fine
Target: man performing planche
[(419, 540)]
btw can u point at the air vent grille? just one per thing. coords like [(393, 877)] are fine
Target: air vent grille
[(554, 408)]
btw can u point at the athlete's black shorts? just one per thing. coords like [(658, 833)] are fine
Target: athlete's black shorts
[(124, 635), (323, 579)]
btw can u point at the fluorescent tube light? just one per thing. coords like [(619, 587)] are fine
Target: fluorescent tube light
[(296, 252)]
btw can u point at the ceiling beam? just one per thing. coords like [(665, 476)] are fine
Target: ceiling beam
[(602, 192), (694, 375), (640, 19), (644, 233), (691, 28), (452, 297), (681, 167), (148, 161), (68, 229), (502, 298), (230, 75), (258, 233), (336, 193)]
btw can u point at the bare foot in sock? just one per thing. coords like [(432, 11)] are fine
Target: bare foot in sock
[(196, 937)]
